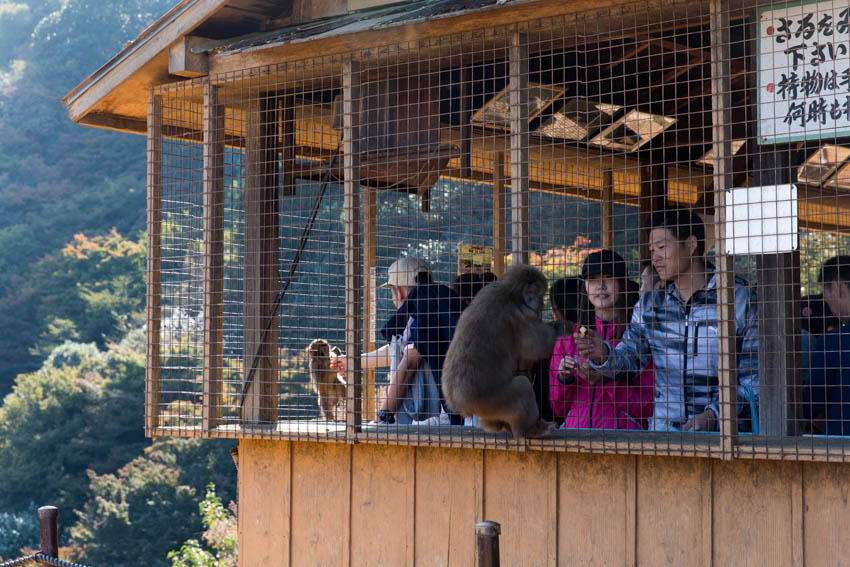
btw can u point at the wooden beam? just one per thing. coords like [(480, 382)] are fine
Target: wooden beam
[(184, 62), (259, 403), (465, 125), (519, 148), (153, 307), (351, 101), (721, 87), (499, 214), (608, 209), (287, 145), (213, 258), (370, 257), (653, 198)]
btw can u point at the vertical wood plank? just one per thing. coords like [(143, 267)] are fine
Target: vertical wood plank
[(670, 524), (213, 257), (265, 521), (259, 402), (480, 501), (630, 478), (607, 209), (753, 508), (798, 524), (826, 508), (380, 509), (320, 503), (707, 509), (351, 213), (446, 506), (370, 230), (153, 309), (721, 116), (593, 509), (499, 214), (517, 495), (519, 101)]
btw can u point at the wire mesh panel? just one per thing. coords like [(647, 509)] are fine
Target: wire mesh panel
[(342, 238)]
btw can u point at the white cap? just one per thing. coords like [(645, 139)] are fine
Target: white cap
[(403, 272)]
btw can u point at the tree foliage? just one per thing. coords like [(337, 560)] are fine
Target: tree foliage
[(220, 534), (122, 523)]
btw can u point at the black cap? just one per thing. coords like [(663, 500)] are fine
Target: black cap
[(605, 262)]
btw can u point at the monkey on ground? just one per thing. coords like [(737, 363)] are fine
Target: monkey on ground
[(329, 386), (497, 338)]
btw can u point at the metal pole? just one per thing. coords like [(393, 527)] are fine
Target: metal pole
[(487, 543), (47, 516)]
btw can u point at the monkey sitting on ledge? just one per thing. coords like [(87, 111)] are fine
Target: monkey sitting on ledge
[(327, 383), (497, 335)]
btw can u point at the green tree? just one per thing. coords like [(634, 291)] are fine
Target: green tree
[(122, 523), (60, 422), (220, 535)]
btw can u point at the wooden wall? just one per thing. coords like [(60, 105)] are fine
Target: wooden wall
[(334, 504)]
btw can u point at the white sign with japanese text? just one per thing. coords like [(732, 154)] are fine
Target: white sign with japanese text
[(804, 71)]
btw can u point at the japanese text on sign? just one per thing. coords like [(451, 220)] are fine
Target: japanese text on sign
[(804, 72)]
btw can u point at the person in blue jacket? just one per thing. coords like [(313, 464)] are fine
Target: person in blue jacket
[(827, 392)]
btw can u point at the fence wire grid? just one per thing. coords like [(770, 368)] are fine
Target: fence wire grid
[(678, 171)]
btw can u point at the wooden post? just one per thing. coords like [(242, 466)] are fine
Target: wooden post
[(213, 257), (153, 310), (351, 212), (607, 209), (465, 125), (499, 214), (261, 261), (369, 262), (653, 198), (287, 145), (519, 148), (721, 115)]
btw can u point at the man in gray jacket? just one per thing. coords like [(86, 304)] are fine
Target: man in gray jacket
[(677, 327)]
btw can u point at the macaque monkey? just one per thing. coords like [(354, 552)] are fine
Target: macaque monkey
[(328, 384), (497, 338)]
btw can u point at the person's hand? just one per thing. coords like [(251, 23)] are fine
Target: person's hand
[(591, 346), (338, 363), (566, 369), (705, 421), (590, 375)]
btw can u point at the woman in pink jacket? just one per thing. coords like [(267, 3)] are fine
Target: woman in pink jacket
[(576, 391)]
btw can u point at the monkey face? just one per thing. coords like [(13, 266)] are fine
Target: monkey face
[(532, 296), (318, 349)]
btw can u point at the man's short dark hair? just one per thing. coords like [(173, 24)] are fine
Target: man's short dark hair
[(681, 222), (836, 269)]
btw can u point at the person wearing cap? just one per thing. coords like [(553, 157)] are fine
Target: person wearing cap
[(677, 327), (579, 393), (418, 335), (826, 394)]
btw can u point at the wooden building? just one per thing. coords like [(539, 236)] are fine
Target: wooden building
[(295, 148)]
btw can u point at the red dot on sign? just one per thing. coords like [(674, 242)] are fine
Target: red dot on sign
[(770, 87), (769, 30)]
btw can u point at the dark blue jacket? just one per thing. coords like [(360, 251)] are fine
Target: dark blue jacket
[(828, 388), (435, 309)]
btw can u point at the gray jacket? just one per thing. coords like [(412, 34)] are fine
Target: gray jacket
[(682, 340)]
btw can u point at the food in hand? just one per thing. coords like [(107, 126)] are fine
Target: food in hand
[(583, 331)]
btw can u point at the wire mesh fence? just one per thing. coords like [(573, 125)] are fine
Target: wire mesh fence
[(333, 242)]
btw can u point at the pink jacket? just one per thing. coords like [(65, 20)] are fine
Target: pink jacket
[(609, 405)]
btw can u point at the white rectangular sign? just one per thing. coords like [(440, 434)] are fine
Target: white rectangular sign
[(804, 71), (761, 220)]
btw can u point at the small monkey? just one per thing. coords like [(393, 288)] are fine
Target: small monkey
[(327, 383), (497, 335)]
